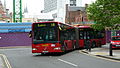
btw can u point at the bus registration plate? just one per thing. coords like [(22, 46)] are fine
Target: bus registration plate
[(117, 45), (45, 45)]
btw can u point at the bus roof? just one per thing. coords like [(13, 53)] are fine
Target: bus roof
[(47, 22)]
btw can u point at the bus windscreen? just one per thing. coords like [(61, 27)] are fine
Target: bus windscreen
[(45, 32)]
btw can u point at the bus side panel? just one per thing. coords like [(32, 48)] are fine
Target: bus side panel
[(68, 44), (81, 43), (103, 41)]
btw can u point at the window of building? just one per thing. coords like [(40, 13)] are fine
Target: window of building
[(72, 2)]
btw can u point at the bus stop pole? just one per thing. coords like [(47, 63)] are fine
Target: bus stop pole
[(113, 33), (110, 50)]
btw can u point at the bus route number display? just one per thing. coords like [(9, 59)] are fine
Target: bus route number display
[(46, 24)]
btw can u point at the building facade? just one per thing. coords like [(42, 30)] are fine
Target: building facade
[(50, 5), (77, 15), (4, 13), (58, 8)]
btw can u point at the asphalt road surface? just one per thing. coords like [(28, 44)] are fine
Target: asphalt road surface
[(23, 58)]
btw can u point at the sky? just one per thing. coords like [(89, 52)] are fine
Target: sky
[(35, 6)]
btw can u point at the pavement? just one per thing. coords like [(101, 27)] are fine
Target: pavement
[(104, 52)]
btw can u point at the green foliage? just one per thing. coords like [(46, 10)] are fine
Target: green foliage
[(106, 13)]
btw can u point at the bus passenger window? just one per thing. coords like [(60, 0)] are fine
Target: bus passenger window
[(81, 35), (88, 35)]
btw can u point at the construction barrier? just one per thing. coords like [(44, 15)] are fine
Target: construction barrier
[(15, 27), (15, 34)]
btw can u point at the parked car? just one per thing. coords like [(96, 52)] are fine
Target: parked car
[(115, 42)]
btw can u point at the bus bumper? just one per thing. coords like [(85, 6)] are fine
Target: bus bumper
[(35, 50)]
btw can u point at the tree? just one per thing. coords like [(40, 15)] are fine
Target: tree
[(106, 13)]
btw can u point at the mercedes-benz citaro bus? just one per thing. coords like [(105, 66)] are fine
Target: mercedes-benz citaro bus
[(52, 37)]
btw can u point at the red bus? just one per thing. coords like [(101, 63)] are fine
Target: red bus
[(49, 37), (86, 33), (115, 42)]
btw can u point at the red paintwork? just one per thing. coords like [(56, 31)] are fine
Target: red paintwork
[(68, 44), (40, 48), (81, 43), (45, 47), (116, 42)]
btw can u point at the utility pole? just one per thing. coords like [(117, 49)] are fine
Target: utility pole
[(17, 10)]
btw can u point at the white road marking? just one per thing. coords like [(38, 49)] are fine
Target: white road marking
[(1, 64), (68, 62), (6, 61)]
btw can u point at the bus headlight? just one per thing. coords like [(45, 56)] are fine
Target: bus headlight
[(34, 49), (112, 42), (53, 45), (57, 48)]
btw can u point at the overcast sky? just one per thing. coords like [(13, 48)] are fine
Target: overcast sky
[(35, 6)]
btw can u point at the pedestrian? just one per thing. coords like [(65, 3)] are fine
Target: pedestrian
[(88, 45)]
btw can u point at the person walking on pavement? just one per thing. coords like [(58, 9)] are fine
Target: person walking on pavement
[(88, 45)]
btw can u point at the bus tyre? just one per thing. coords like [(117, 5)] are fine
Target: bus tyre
[(74, 47)]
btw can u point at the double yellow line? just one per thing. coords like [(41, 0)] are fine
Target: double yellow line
[(6, 61)]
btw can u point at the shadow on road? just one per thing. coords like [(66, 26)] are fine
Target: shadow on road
[(56, 54)]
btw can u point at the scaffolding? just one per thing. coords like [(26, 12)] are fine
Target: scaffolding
[(17, 10)]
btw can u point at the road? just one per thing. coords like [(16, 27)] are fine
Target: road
[(23, 58)]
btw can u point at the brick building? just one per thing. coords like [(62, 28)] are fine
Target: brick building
[(1, 11), (76, 14)]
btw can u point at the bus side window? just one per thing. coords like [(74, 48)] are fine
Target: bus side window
[(81, 35), (85, 34), (62, 36), (88, 35), (100, 35)]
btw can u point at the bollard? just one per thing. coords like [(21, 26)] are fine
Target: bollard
[(110, 49)]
